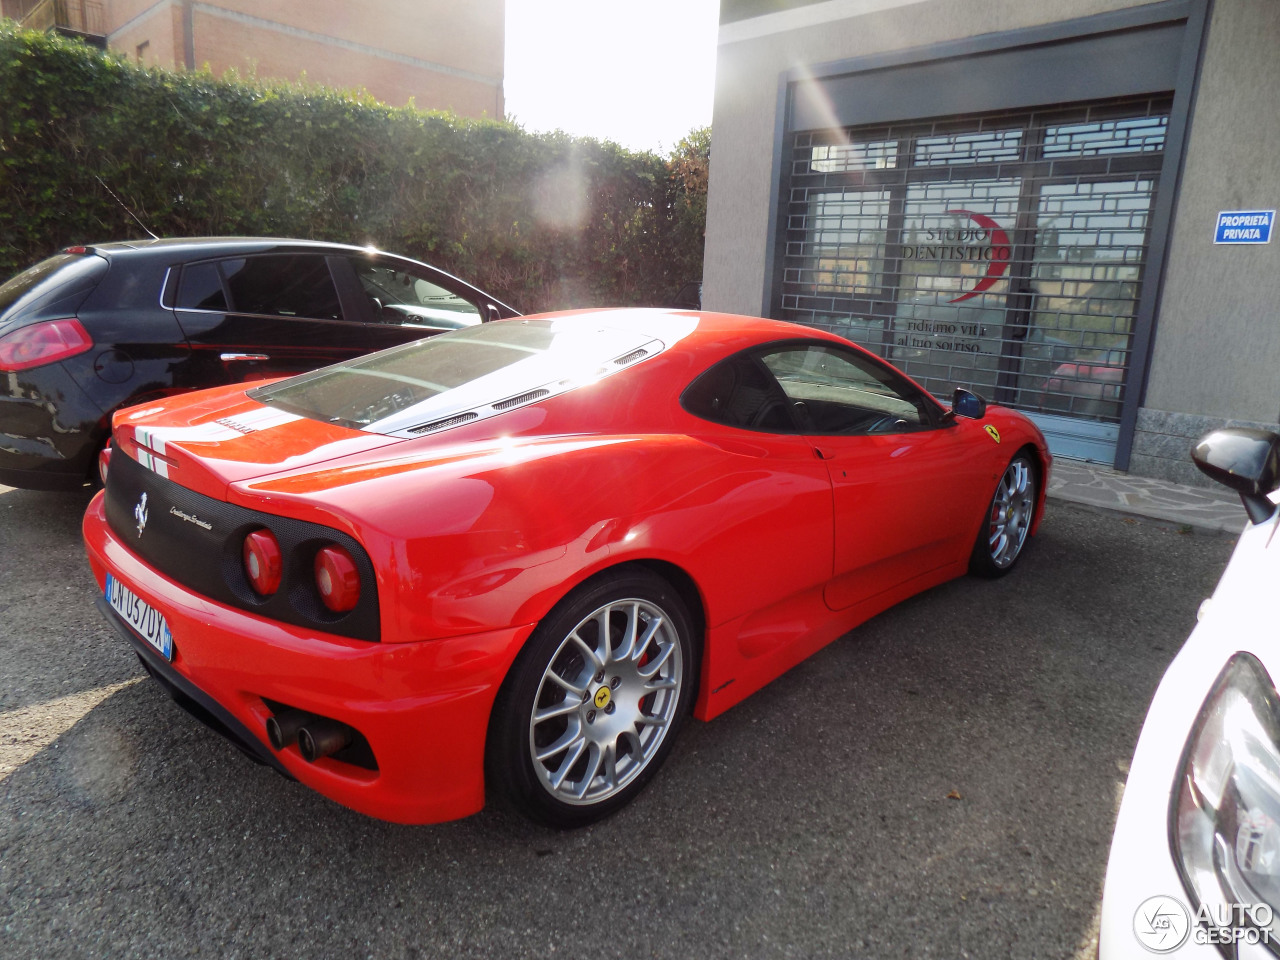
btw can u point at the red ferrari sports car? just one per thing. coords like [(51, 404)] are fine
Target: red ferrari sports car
[(519, 554)]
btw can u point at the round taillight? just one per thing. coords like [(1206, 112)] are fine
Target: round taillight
[(337, 579), (104, 461), (262, 561)]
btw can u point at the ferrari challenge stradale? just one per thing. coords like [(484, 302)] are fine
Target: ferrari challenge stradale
[(517, 555)]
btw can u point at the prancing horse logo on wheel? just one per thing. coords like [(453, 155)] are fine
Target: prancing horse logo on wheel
[(140, 514)]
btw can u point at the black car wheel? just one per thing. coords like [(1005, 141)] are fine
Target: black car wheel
[(592, 705)]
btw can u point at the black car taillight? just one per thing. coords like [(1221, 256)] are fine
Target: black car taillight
[(42, 343)]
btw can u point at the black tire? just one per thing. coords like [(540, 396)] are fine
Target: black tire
[(590, 726), (1006, 526)]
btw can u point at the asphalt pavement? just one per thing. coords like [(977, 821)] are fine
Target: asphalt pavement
[(941, 782)]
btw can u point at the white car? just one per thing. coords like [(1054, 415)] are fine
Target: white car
[(1195, 862)]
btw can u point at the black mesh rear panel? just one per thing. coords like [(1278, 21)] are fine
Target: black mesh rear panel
[(209, 561)]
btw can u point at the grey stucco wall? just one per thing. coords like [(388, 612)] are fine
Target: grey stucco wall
[(745, 113), (1217, 342)]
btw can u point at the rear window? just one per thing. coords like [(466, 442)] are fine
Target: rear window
[(471, 373), (64, 273)]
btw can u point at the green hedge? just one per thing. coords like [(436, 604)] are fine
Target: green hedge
[(544, 221)]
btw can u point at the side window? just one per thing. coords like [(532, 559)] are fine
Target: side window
[(740, 393), (283, 285), (400, 297), (201, 288), (833, 391)]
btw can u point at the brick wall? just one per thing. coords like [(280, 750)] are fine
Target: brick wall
[(440, 54)]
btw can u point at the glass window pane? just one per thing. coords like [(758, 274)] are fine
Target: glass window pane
[(201, 288), (847, 239), (463, 370), (834, 392), (1103, 138), (957, 253), (738, 392), (286, 285), (988, 146), (839, 157), (405, 298)]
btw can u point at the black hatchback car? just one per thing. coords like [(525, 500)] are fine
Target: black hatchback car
[(97, 328)]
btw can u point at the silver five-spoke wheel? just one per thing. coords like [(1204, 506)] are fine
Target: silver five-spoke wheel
[(606, 701), (1008, 520)]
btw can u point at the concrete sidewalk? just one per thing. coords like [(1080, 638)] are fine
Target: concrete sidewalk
[(1207, 509)]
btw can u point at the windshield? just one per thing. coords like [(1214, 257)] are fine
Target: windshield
[(471, 373)]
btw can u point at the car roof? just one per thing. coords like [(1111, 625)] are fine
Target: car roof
[(214, 246), (173, 250)]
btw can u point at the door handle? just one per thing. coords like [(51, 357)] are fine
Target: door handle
[(823, 454), (228, 357)]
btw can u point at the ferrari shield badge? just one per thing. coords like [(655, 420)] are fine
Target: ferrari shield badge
[(992, 432)]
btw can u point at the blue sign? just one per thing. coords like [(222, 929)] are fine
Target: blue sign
[(1244, 226)]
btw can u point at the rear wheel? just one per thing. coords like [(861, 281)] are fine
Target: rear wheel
[(592, 706), (1004, 531)]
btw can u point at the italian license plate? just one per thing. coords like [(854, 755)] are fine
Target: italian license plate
[(140, 615)]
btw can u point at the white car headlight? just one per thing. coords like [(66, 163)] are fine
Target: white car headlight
[(1225, 821)]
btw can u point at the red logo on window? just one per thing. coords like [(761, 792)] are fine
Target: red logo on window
[(1001, 252)]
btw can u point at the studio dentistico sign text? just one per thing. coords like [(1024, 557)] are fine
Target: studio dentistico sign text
[(985, 242)]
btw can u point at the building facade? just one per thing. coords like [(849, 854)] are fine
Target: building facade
[(1021, 198), (439, 54)]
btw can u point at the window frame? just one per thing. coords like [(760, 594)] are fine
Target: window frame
[(933, 413), (233, 309)]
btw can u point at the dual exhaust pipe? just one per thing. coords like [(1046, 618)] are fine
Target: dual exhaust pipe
[(316, 736)]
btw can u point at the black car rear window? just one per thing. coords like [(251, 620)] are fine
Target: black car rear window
[(65, 270)]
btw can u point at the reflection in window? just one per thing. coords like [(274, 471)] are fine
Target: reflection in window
[(847, 240), (1086, 278), (284, 285), (839, 157), (987, 147), (836, 392), (945, 252), (403, 298), (201, 288), (1106, 137)]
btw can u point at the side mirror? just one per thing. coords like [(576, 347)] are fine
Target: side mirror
[(1247, 461), (491, 313), (968, 405)]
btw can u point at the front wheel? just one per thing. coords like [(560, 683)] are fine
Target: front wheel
[(1008, 520), (592, 704)]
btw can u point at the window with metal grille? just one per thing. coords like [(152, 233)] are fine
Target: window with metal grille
[(1001, 252)]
